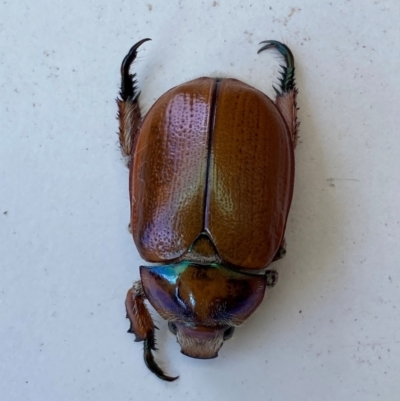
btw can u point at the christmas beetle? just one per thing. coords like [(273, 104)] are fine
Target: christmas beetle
[(211, 182)]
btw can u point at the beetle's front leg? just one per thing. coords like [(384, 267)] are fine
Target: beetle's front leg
[(287, 92), (128, 108), (142, 326)]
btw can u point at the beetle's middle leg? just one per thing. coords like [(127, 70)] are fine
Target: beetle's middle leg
[(287, 92), (128, 107), (281, 251), (142, 326)]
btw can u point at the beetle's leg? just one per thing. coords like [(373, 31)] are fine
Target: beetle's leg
[(281, 251), (128, 108), (272, 278), (142, 326), (287, 92)]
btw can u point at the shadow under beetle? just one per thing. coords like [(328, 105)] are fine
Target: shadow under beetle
[(211, 183)]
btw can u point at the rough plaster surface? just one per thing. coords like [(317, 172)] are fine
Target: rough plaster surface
[(328, 331)]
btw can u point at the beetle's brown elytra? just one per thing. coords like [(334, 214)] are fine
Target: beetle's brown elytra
[(211, 184)]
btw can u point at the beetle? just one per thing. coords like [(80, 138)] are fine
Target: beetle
[(211, 172)]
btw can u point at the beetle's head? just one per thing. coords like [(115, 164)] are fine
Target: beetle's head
[(202, 303), (198, 341)]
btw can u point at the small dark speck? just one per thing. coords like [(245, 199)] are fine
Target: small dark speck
[(390, 279), (5, 213), (215, 4), (150, 7), (26, 382), (300, 311)]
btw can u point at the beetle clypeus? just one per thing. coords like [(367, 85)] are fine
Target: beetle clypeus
[(211, 183)]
